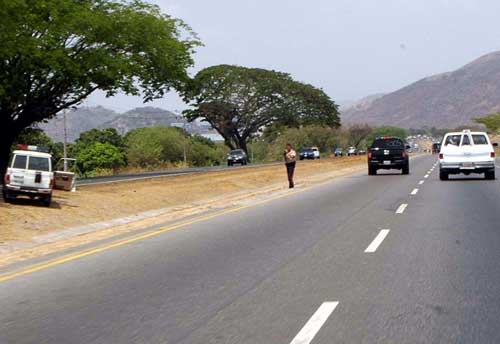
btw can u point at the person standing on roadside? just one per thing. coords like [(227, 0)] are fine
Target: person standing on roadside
[(290, 160)]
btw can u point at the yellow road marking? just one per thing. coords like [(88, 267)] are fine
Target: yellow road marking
[(119, 243)]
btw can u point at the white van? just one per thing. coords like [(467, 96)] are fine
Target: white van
[(29, 173)]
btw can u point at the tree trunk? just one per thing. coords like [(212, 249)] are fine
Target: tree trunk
[(242, 143), (8, 135)]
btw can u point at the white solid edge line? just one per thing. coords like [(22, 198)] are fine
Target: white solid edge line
[(377, 241), (401, 208), (421, 182), (414, 192), (311, 328)]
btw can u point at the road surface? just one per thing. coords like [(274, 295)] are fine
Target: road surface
[(382, 259)]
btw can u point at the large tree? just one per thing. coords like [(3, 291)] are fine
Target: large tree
[(55, 53), (238, 102)]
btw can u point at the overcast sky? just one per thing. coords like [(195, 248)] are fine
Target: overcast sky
[(350, 48)]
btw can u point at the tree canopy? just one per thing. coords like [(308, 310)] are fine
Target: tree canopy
[(387, 130), (239, 102), (55, 53), (492, 122)]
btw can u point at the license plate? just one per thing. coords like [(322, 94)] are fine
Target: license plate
[(387, 162), (468, 165)]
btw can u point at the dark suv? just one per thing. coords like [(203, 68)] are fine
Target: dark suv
[(388, 153), (237, 156)]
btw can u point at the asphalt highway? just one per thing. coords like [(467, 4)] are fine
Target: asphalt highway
[(379, 259)]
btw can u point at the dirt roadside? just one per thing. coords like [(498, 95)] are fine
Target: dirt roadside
[(97, 212)]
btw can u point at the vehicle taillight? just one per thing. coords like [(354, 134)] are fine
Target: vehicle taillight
[(492, 154), (404, 155), (7, 178), (51, 185), (441, 156), (369, 155)]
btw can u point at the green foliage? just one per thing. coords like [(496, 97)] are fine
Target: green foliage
[(387, 131), (492, 122), (203, 152), (239, 102), (100, 156), (154, 146), (55, 53), (109, 135)]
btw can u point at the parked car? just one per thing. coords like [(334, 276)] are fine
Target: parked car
[(361, 152), (467, 152), (309, 153), (237, 156), (386, 153), (338, 152), (352, 151), (29, 173)]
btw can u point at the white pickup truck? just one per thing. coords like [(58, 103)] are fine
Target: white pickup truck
[(466, 152)]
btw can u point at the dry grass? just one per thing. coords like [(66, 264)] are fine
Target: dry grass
[(90, 204)]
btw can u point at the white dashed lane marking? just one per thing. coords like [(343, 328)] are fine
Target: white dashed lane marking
[(421, 182), (414, 192), (312, 327), (377, 241), (401, 208)]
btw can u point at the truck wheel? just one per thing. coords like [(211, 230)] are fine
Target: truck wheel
[(6, 196), (490, 175), (406, 169), (229, 164), (47, 200), (443, 175), (372, 171)]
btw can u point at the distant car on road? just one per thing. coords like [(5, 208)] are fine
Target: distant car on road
[(436, 147), (386, 153), (338, 152), (352, 151), (361, 152), (29, 173), (467, 152), (237, 156), (309, 153)]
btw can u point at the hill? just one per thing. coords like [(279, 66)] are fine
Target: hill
[(445, 100), (77, 121), (86, 118)]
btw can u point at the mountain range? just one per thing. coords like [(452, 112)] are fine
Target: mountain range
[(447, 100), (87, 118)]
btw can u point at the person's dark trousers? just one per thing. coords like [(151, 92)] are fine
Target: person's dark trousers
[(290, 169)]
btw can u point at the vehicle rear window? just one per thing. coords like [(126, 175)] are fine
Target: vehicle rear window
[(19, 161), (453, 140), (387, 143), (479, 139), (307, 150), (38, 164)]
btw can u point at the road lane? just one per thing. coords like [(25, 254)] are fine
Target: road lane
[(250, 277)]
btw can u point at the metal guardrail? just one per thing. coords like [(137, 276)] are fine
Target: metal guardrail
[(147, 175)]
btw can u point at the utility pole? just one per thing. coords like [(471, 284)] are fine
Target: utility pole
[(185, 154), (65, 142)]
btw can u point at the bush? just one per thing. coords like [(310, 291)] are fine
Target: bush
[(100, 156), (154, 146)]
